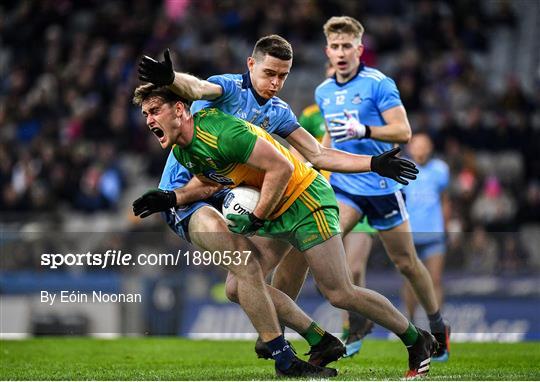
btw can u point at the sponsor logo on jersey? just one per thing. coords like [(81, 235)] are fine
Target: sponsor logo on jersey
[(190, 164), (265, 123), (212, 175), (241, 114), (211, 162)]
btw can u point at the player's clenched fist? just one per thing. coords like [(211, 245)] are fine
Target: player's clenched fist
[(160, 73), (152, 201), (390, 166)]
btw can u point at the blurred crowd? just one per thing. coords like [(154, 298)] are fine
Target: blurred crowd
[(69, 131)]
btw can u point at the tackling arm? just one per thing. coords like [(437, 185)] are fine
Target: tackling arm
[(192, 88), (157, 200), (195, 190), (161, 73), (326, 158)]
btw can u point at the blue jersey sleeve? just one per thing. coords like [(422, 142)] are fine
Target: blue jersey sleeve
[(387, 95), (230, 91), (318, 100), (287, 123), (174, 174)]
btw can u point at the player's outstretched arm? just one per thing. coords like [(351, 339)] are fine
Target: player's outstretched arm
[(156, 200), (161, 73), (324, 158)]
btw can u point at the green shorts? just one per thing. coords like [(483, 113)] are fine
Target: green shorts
[(312, 219), (363, 226)]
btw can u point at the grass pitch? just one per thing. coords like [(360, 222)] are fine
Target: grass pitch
[(181, 359)]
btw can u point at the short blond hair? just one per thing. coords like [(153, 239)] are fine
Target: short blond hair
[(343, 24)]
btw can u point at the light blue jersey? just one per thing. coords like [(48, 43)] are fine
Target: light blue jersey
[(238, 99), (174, 174), (424, 201), (365, 97)]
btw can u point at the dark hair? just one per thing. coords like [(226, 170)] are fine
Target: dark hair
[(146, 91), (273, 45)]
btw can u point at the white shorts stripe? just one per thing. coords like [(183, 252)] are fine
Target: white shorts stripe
[(401, 204)]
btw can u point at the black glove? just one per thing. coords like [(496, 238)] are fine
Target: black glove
[(154, 200), (160, 73), (388, 165)]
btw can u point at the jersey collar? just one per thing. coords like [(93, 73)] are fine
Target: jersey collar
[(246, 84), (340, 84)]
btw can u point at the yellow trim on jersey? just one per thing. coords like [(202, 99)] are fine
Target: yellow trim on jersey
[(310, 110), (209, 143), (207, 138), (301, 179), (306, 182), (228, 169)]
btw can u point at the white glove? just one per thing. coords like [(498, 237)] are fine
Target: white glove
[(346, 129)]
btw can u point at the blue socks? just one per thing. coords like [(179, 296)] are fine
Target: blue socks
[(282, 352), (436, 323)]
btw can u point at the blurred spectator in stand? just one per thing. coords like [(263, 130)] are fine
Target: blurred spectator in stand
[(481, 252), (494, 208)]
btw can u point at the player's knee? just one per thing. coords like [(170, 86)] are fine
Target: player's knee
[(207, 219), (250, 271), (231, 290), (338, 298), (407, 265)]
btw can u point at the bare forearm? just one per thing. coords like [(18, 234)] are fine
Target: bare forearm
[(195, 191), (393, 133), (272, 190), (192, 88), (341, 161)]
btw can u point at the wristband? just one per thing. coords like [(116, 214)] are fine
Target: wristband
[(255, 221), (368, 132)]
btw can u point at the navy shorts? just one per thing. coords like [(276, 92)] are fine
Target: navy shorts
[(383, 212), (178, 218), (432, 243)]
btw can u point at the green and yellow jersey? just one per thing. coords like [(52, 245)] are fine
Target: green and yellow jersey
[(221, 146), (313, 121)]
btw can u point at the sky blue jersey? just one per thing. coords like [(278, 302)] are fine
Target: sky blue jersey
[(239, 99), (366, 96), (424, 200)]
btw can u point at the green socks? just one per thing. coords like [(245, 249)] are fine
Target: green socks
[(314, 334), (410, 336)]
